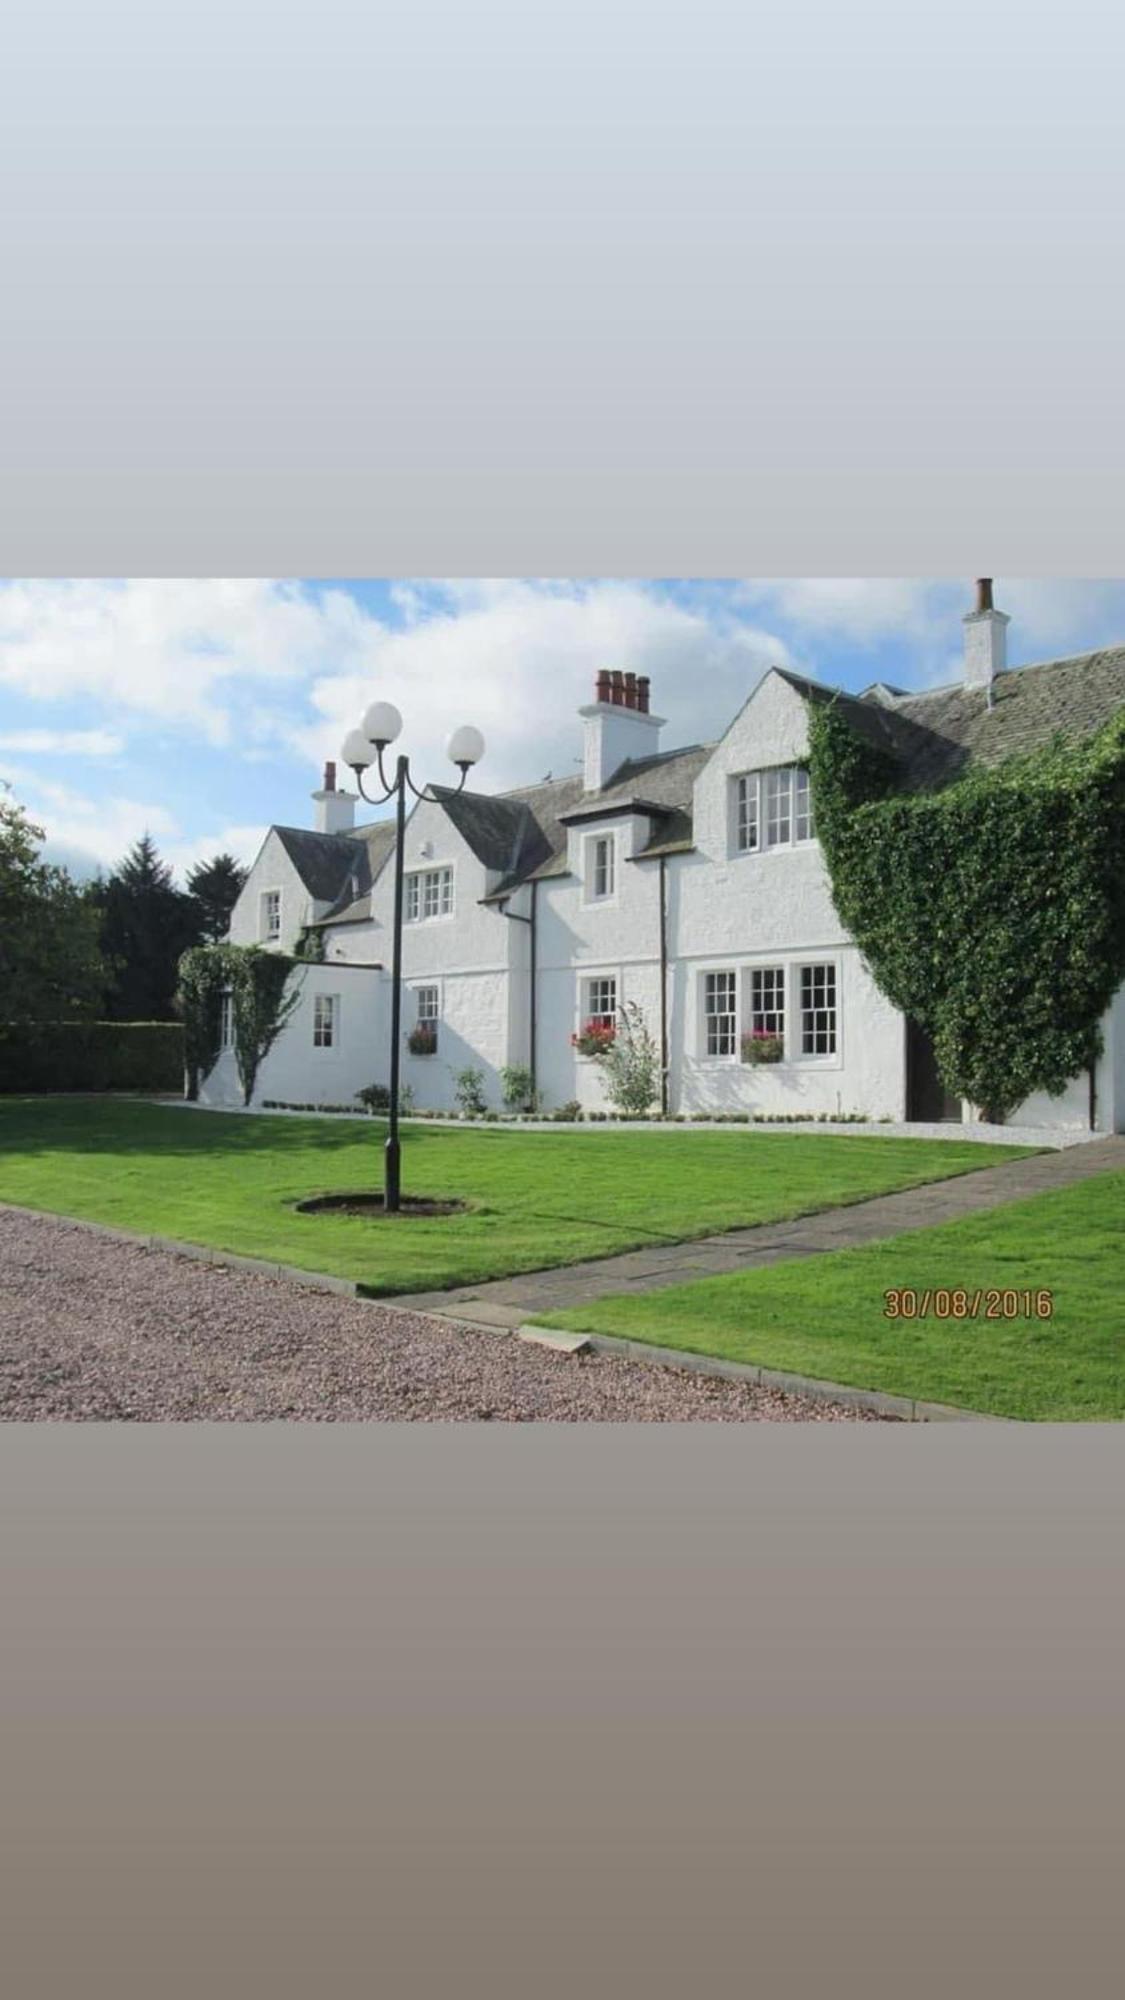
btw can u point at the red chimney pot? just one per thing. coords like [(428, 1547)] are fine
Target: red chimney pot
[(642, 693), (602, 689), (617, 685), (330, 777)]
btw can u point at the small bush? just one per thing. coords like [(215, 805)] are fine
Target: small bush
[(518, 1085), (468, 1089)]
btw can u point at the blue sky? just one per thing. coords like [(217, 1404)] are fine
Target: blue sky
[(202, 710)]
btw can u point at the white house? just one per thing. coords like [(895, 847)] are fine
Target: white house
[(687, 880)]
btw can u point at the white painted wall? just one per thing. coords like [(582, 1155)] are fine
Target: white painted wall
[(297, 1072), (581, 938), (730, 910), (469, 955), (272, 870), (1071, 1110)]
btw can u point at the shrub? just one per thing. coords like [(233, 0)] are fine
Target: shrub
[(422, 1039), (518, 1085), (630, 1063), (992, 912), (377, 1098), (468, 1089), (92, 1055), (567, 1113)]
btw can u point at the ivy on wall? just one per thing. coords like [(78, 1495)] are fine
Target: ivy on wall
[(991, 912), (260, 1008)]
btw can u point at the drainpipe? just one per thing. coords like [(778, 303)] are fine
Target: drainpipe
[(663, 989), (514, 917), (1093, 1097)]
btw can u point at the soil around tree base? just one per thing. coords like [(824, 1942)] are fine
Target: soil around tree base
[(365, 1202)]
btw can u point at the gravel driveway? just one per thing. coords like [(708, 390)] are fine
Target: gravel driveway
[(93, 1328)]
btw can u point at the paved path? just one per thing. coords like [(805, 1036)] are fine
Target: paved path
[(507, 1301)]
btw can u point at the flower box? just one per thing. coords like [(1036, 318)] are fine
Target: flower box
[(422, 1040), (594, 1038), (759, 1046)]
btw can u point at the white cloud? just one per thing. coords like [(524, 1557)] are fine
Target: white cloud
[(63, 743), (518, 658), (242, 842), (101, 830), (85, 834), (173, 650)]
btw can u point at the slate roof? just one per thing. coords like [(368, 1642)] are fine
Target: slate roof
[(362, 855), (321, 859), (1073, 698), (934, 736), (501, 829)]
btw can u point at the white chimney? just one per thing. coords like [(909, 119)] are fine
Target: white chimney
[(617, 727), (335, 811), (986, 642)]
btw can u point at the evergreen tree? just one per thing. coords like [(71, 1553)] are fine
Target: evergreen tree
[(51, 967), (216, 886), (147, 924)]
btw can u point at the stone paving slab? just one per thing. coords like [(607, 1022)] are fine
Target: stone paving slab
[(871, 1221)]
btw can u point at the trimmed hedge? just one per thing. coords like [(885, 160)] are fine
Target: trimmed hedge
[(92, 1055)]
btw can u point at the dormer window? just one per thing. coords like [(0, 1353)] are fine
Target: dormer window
[(772, 808)]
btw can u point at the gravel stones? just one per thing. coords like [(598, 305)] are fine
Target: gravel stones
[(95, 1329)]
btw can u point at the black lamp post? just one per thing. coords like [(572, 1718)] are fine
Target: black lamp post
[(362, 748)]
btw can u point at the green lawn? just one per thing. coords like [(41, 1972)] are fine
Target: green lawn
[(824, 1315), (539, 1198)]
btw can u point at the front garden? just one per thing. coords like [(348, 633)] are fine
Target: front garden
[(534, 1198), (1023, 1313)]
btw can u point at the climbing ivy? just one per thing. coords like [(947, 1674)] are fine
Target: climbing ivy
[(256, 981), (992, 911)]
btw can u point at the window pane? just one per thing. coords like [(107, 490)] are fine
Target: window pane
[(818, 1010), (719, 1013), (767, 999), (324, 1020), (412, 899), (778, 822), (601, 1000), (802, 806), (746, 832), (427, 1003)]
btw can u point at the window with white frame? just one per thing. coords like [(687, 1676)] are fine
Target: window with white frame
[(779, 813), (428, 894), (271, 914), (326, 1016), (802, 805), (772, 808), (767, 1000), (601, 868), (600, 996), (423, 1040), (746, 812), (818, 1010), (720, 1013), (226, 1021)]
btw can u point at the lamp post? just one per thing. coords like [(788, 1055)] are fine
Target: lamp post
[(363, 747)]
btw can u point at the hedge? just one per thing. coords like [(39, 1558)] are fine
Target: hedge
[(92, 1055)]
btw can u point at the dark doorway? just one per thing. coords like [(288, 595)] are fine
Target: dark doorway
[(927, 1099)]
